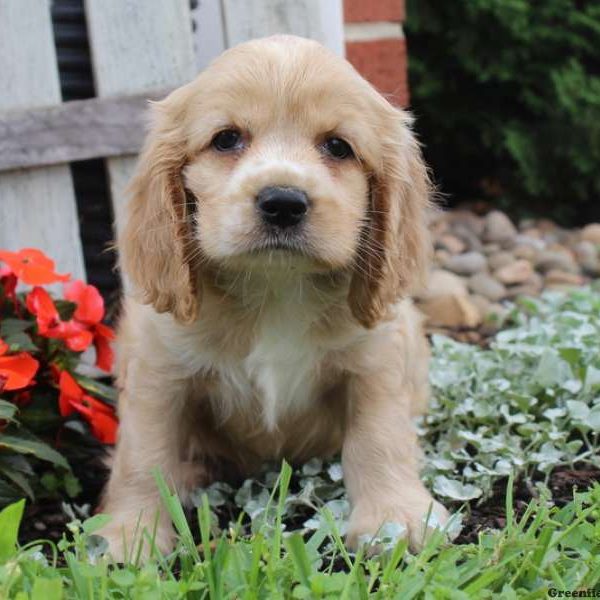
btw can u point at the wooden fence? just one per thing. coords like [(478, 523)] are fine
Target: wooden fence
[(140, 50)]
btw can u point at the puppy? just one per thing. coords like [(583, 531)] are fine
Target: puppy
[(276, 227)]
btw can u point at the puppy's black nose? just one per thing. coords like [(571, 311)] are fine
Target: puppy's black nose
[(282, 206)]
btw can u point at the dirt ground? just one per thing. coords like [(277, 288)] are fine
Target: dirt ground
[(46, 520)]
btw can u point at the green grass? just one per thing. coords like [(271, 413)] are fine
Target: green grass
[(547, 547), (525, 406)]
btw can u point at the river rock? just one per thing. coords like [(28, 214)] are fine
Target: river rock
[(517, 272), (451, 243), (487, 286), (550, 259), (442, 282), (500, 259), (557, 277), (591, 233), (498, 228), (467, 263)]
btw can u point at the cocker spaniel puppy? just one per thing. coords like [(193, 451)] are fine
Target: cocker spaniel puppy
[(276, 228)]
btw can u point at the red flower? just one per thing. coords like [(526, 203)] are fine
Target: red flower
[(103, 335), (75, 335), (101, 417), (40, 304), (32, 266), (90, 310), (90, 305), (8, 280), (16, 371)]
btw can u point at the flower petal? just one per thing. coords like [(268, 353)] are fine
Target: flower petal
[(32, 266), (17, 371), (40, 304), (104, 351), (70, 394), (90, 305)]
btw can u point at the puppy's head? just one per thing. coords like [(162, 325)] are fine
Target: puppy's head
[(278, 156)]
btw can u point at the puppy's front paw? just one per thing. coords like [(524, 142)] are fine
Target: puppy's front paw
[(367, 519), (127, 538)]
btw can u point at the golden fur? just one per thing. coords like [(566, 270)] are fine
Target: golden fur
[(231, 352)]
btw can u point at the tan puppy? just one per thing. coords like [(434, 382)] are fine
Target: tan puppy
[(276, 226)]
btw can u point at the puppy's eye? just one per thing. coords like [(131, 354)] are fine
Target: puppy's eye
[(227, 140), (338, 148)]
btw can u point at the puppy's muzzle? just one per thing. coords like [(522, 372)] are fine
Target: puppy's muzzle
[(282, 207)]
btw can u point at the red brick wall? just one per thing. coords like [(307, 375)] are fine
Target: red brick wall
[(376, 46)]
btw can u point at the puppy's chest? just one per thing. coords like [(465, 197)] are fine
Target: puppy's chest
[(276, 377)]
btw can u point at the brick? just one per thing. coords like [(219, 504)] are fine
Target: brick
[(384, 64), (357, 11)]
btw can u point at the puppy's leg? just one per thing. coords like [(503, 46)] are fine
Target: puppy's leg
[(152, 411), (380, 458)]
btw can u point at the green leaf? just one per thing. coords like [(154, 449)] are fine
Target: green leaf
[(65, 308), (7, 410), (47, 589), (10, 520), (17, 478), (97, 388), (451, 488), (10, 327), (20, 342), (95, 523), (26, 443)]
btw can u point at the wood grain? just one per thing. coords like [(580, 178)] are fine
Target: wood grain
[(316, 19), (72, 131), (138, 46), (37, 206)]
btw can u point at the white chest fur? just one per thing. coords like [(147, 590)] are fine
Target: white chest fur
[(282, 367)]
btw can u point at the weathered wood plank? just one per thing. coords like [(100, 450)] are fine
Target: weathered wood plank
[(75, 130), (209, 35), (316, 19), (138, 45), (37, 206)]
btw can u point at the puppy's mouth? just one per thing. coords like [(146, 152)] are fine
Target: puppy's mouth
[(284, 242)]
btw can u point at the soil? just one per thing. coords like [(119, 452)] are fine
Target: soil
[(47, 520)]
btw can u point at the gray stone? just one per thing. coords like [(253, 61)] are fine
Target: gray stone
[(467, 263), (468, 237), (500, 259), (441, 283), (498, 228), (554, 259), (485, 285), (587, 255), (591, 233), (517, 272)]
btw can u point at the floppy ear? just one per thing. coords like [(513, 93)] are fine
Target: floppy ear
[(395, 247), (156, 245)]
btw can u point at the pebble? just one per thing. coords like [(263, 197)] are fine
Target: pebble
[(451, 243), (450, 310), (586, 253), (487, 286), (526, 252), (468, 237), (489, 249), (548, 260), (498, 227), (591, 233), (500, 259), (482, 304), (481, 261), (467, 263), (556, 276), (442, 282), (517, 272)]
